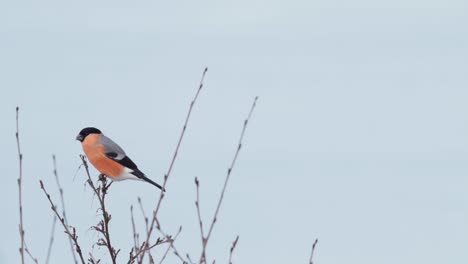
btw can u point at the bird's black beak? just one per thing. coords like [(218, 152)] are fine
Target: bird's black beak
[(79, 138)]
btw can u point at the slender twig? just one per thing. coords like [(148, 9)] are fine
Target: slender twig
[(139, 251), (312, 251), (29, 253), (103, 226), (197, 205), (234, 244), (20, 178), (170, 245), (189, 259), (154, 220), (135, 234), (174, 249), (142, 209), (92, 259), (164, 234), (62, 201), (23, 247), (69, 230), (51, 240), (233, 163), (145, 217)]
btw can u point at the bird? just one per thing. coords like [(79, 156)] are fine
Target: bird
[(109, 158)]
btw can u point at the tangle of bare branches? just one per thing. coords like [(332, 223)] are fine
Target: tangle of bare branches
[(205, 238), (142, 246), (69, 230)]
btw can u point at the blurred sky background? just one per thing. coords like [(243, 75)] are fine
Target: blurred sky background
[(360, 136)]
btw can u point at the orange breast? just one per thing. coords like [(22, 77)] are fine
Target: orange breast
[(96, 155)]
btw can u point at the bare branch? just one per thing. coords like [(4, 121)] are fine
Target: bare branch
[(92, 259), (154, 220), (62, 200), (145, 217), (200, 86), (141, 249), (206, 238), (20, 178), (197, 205), (135, 234), (51, 240), (234, 244), (142, 209), (174, 249), (29, 254), (144, 250), (71, 233), (189, 259), (312, 251), (23, 247)]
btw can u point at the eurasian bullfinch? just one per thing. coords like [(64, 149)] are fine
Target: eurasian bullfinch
[(108, 157)]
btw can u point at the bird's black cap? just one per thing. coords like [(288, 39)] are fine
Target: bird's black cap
[(86, 131)]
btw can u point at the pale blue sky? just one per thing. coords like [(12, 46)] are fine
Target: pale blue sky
[(360, 137)]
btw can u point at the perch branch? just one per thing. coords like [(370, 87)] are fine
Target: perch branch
[(103, 225)]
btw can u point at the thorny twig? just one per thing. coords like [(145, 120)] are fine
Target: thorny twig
[(154, 220), (206, 238), (71, 233)]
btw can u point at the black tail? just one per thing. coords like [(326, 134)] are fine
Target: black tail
[(142, 176)]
